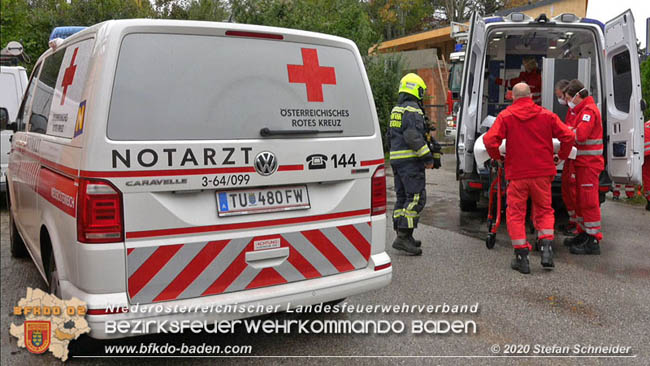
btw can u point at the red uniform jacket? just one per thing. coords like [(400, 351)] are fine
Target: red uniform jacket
[(646, 147), (589, 135), (529, 131), (534, 81)]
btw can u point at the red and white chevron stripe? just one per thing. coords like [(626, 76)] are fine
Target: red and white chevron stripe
[(182, 271)]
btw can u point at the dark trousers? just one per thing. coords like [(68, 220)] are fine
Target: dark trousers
[(411, 194)]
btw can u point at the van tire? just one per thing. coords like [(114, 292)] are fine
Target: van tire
[(51, 272), (467, 202), (17, 245)]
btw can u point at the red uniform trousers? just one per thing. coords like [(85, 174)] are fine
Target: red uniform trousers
[(569, 191), (588, 202), (646, 177), (539, 191)]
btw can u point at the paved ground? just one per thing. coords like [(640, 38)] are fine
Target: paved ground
[(596, 300)]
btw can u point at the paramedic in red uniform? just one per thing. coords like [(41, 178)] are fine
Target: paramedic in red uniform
[(588, 165), (646, 166), (532, 76), (529, 131), (568, 172)]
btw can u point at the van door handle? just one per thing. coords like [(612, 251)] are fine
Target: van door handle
[(267, 258)]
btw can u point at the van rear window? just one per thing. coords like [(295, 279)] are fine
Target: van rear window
[(191, 87)]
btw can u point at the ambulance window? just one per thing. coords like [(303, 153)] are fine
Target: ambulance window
[(470, 83), (44, 91), (622, 79), (20, 117), (191, 87)]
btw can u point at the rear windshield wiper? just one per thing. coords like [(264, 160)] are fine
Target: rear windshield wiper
[(265, 132)]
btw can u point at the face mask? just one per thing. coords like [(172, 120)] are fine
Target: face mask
[(561, 101), (571, 104)]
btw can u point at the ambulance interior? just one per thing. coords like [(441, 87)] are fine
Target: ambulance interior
[(561, 53)]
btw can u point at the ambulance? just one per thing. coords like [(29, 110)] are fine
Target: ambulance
[(13, 82), (186, 164), (602, 56)]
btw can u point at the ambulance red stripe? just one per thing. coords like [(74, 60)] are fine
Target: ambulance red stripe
[(301, 264), (192, 270), (242, 225), (151, 267), (266, 277), (355, 237), (372, 162), (329, 250), (58, 190), (230, 274)]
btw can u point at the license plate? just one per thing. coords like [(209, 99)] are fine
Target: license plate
[(251, 201)]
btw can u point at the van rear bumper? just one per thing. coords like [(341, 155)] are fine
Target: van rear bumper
[(278, 297)]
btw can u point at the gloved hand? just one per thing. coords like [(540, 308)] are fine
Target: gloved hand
[(437, 163)]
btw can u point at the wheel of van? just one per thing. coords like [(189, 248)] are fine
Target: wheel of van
[(17, 245), (53, 275), (467, 201)]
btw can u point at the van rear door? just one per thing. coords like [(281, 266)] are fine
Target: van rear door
[(244, 161), (470, 95), (624, 117)]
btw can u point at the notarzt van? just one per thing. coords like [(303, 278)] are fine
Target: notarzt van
[(195, 163), (602, 56), (13, 82)]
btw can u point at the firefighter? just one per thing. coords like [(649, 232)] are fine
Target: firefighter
[(529, 130), (646, 166), (588, 165), (531, 76), (568, 172), (409, 156)]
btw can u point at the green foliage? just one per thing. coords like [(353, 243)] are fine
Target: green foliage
[(344, 18), (645, 86), (30, 22), (384, 73)]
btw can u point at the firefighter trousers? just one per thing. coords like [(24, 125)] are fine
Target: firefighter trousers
[(539, 191), (411, 195), (569, 191), (588, 202)]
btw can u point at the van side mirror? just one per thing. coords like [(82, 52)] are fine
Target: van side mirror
[(13, 126)]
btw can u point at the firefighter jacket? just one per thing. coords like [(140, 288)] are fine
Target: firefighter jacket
[(406, 133)]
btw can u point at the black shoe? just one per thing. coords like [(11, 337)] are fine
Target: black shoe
[(547, 254), (588, 246), (520, 261), (415, 242), (569, 242), (403, 242)]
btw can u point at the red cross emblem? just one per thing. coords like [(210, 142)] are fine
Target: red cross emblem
[(68, 77), (312, 75)]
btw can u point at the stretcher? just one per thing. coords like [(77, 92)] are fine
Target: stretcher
[(496, 195)]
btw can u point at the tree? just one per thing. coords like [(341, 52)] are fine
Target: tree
[(645, 85), (397, 18)]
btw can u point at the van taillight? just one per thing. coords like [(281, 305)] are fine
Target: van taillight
[(378, 195), (99, 213)]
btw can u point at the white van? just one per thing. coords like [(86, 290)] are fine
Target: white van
[(196, 163), (602, 56), (13, 82)]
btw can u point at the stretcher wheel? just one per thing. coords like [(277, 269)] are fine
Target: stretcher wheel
[(490, 240)]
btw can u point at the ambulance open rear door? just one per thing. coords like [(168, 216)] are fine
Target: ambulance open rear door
[(624, 116), (470, 95)]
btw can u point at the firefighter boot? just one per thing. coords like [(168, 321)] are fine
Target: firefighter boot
[(520, 261), (569, 242), (403, 242), (547, 253), (588, 246), (415, 242)]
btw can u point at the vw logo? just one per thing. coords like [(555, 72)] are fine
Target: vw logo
[(266, 163)]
